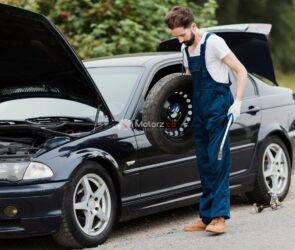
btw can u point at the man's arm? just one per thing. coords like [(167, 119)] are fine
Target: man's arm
[(241, 73)]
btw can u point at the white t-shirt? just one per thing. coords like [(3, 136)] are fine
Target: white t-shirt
[(216, 49)]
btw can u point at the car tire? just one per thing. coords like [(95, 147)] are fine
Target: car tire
[(265, 182), (169, 103), (73, 230)]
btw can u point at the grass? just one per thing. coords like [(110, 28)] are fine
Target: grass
[(286, 79)]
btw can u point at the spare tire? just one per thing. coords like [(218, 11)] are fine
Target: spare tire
[(169, 104)]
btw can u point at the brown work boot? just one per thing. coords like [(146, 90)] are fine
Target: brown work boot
[(198, 225), (216, 226)]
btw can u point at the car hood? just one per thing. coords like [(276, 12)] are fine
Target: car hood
[(37, 61), (249, 42)]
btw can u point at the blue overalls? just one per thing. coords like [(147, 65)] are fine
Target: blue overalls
[(211, 101)]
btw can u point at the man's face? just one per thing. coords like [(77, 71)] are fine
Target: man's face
[(184, 35)]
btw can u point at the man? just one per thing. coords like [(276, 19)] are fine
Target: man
[(207, 58)]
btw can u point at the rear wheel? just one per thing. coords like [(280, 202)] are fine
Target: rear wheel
[(89, 209), (274, 171)]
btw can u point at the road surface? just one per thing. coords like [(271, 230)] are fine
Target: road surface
[(270, 229)]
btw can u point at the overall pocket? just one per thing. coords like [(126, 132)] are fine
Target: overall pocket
[(220, 100), (194, 64), (214, 109)]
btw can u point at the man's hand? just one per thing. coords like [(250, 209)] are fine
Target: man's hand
[(235, 109), (187, 71)]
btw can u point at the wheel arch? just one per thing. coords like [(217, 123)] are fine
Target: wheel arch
[(110, 165), (161, 72)]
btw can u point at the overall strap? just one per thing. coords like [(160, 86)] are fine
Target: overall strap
[(187, 55), (202, 53)]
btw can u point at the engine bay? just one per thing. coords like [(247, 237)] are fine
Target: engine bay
[(20, 139)]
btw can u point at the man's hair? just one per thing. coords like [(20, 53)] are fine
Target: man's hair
[(179, 16)]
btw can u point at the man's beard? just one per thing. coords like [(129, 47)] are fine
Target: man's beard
[(190, 41)]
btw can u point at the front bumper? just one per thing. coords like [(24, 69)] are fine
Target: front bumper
[(39, 209)]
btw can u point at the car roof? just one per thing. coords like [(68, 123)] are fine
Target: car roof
[(133, 59), (261, 28)]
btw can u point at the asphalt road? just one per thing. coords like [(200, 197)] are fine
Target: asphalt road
[(270, 229)]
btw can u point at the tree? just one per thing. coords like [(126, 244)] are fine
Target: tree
[(281, 14), (108, 27)]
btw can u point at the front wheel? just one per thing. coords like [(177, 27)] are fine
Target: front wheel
[(89, 208), (274, 171)]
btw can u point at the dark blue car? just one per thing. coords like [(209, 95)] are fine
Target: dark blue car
[(78, 150)]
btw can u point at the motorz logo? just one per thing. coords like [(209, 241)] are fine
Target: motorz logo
[(147, 124)]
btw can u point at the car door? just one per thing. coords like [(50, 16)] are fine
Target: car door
[(244, 131), (161, 172)]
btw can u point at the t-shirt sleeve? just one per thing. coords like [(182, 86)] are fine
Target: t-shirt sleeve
[(184, 57), (219, 47)]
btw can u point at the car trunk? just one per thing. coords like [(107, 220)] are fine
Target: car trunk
[(249, 42)]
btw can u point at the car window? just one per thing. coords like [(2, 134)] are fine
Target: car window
[(249, 91), (115, 84)]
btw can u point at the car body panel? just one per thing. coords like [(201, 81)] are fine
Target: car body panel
[(37, 204), (114, 147)]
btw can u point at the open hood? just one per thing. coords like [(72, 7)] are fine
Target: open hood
[(37, 61), (247, 41)]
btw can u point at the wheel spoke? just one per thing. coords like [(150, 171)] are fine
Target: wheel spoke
[(278, 157), (101, 215), (282, 173), (270, 155), (81, 205), (87, 188), (269, 171), (89, 218), (100, 191)]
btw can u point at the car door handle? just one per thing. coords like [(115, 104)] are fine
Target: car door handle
[(252, 109)]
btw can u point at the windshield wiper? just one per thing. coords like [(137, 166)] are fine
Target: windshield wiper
[(58, 119), (11, 122)]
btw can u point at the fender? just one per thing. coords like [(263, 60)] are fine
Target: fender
[(67, 162)]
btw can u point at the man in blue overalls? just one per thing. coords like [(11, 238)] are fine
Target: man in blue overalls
[(208, 59)]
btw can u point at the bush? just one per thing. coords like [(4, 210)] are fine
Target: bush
[(109, 27)]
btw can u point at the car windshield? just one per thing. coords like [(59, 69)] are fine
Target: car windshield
[(116, 84)]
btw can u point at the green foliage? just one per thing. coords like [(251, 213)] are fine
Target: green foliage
[(108, 27), (281, 14)]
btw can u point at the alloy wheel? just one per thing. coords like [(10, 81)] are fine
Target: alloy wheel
[(275, 168), (92, 204)]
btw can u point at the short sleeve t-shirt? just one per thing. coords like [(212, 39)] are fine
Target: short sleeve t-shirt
[(216, 49)]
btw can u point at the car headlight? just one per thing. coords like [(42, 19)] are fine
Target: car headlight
[(16, 171), (37, 170)]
